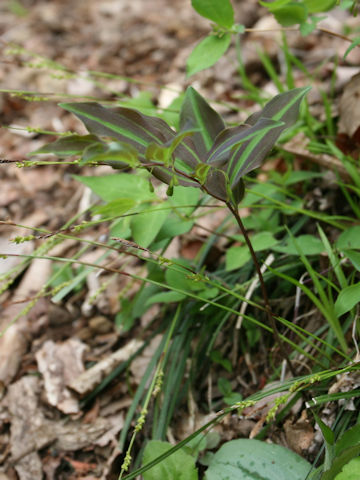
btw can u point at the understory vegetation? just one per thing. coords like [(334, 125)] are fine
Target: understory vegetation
[(254, 320)]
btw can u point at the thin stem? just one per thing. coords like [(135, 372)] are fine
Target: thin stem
[(271, 316)]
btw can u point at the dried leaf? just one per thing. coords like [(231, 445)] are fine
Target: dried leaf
[(60, 364)]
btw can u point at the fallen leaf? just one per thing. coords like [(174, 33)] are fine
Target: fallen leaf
[(60, 364), (88, 380)]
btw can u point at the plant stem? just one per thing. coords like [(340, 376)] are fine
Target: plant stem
[(270, 315)]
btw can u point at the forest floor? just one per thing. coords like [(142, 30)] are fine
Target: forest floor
[(45, 427)]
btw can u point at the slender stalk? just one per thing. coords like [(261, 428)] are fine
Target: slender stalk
[(270, 315)]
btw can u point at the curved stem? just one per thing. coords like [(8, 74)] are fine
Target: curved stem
[(270, 315)]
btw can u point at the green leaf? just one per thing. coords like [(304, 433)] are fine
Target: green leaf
[(217, 357), (221, 13), (207, 53), (165, 297), (115, 208), (291, 14), (300, 176), (274, 5), (354, 43), (196, 114), (146, 225), (236, 257), (347, 299), (113, 187), (340, 461), (253, 460), (186, 196), (310, 25), (354, 258), (263, 241), (317, 6), (224, 385), (328, 434), (350, 438), (349, 239), (69, 145), (310, 245), (178, 466), (116, 154), (350, 471)]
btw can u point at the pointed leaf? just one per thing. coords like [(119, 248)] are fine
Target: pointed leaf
[(69, 145), (221, 13), (207, 53), (284, 107), (231, 142), (123, 124), (249, 155), (196, 113), (252, 153), (347, 299)]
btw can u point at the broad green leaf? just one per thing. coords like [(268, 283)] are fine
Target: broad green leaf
[(220, 12), (252, 460), (350, 438), (310, 25), (196, 114), (310, 245), (69, 145), (173, 227), (317, 6), (165, 297), (274, 5), (340, 461), (146, 225), (124, 185), (350, 471), (347, 299), (185, 196), (207, 53), (291, 14), (178, 466), (263, 240), (349, 239), (114, 208), (179, 277), (236, 257)]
